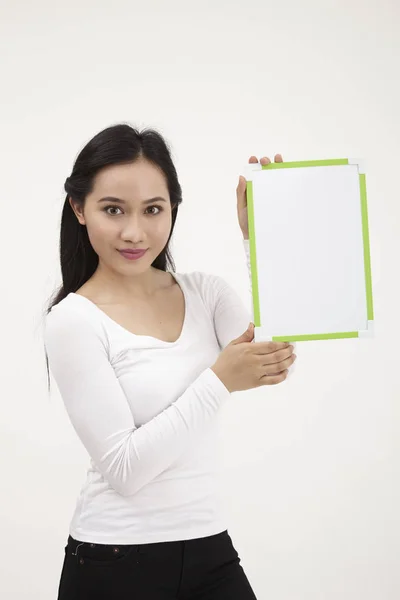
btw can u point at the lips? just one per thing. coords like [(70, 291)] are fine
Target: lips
[(132, 254), (132, 251)]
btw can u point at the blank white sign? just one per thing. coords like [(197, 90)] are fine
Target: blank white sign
[(308, 251)]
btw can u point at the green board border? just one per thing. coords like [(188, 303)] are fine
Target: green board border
[(366, 245)]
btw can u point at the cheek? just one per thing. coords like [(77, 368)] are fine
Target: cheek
[(162, 227), (99, 233)]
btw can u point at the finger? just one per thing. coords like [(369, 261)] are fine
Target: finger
[(274, 358), (265, 160), (273, 379), (272, 368), (278, 158), (253, 159), (268, 347)]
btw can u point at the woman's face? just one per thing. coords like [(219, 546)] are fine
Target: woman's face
[(129, 208)]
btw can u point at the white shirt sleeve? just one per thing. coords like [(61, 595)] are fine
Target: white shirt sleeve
[(128, 456), (231, 317)]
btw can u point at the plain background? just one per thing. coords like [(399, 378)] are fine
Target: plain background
[(311, 466)]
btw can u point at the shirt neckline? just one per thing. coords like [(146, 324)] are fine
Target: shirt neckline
[(182, 334)]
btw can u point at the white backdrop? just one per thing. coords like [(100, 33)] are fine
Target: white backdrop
[(311, 466)]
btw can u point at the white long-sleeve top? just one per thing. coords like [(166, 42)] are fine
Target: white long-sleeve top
[(146, 412)]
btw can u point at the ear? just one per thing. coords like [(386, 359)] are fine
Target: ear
[(78, 210)]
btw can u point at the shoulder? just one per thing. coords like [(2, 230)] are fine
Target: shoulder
[(208, 286), (71, 317), (202, 279)]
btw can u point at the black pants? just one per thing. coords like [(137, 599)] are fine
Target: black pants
[(200, 569)]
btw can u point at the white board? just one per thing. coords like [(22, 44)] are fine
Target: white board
[(309, 250)]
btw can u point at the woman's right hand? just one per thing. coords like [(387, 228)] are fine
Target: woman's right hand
[(244, 364)]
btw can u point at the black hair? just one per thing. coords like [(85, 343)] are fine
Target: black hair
[(118, 144)]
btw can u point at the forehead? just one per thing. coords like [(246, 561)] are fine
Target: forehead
[(139, 180)]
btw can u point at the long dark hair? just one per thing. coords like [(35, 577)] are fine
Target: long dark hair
[(114, 145)]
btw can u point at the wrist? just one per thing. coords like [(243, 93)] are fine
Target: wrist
[(222, 377)]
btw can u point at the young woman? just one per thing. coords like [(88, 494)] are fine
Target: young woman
[(144, 358)]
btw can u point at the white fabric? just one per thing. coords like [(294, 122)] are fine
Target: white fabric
[(146, 412)]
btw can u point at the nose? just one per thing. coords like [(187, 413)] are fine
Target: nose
[(132, 231)]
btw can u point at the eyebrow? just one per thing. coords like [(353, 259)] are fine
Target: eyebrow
[(120, 201)]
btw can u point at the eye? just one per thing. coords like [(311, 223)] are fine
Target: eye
[(160, 209), (156, 206), (108, 207)]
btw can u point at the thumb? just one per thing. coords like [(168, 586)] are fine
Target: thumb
[(246, 336)]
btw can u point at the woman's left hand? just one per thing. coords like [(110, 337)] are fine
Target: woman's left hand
[(241, 194)]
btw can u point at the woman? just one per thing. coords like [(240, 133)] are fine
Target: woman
[(144, 358)]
